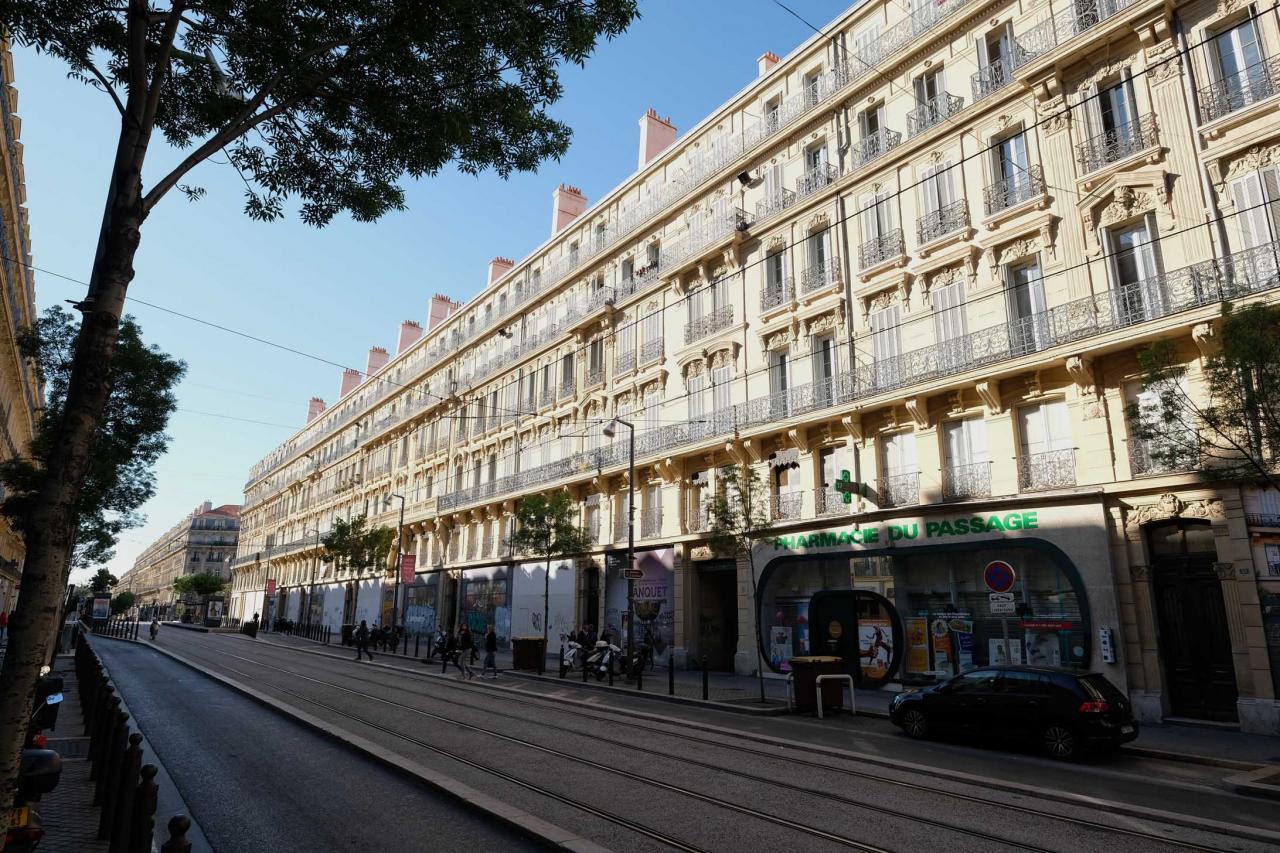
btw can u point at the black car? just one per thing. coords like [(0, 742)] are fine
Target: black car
[(1065, 712)]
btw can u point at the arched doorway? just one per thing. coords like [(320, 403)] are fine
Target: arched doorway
[(1195, 645)]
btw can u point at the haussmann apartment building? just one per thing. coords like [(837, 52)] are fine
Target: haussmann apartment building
[(203, 542), (904, 273)]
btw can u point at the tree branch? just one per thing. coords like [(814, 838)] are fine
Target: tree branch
[(106, 85), (162, 65)]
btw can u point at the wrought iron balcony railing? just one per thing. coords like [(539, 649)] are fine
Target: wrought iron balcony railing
[(547, 397), (900, 489), (776, 293), (1022, 185), (698, 517), (993, 76), (1256, 83), (1052, 469), (651, 522), (599, 298), (933, 111), (595, 376), (1116, 144), (829, 502), (877, 250), (651, 350), (939, 223), (775, 202), (786, 506), (820, 274), (566, 388), (708, 324), (816, 179), (1146, 458), (625, 362), (963, 482), (870, 147)]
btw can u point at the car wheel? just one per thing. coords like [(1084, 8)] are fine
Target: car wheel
[(1060, 742), (914, 723)]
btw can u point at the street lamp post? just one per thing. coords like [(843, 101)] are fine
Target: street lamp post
[(395, 601), (610, 430), (315, 559)]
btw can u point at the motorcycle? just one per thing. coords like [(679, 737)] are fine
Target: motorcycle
[(574, 657), (604, 659), (39, 770)]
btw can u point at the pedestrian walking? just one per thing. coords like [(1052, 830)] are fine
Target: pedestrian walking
[(466, 648), (4, 623), (490, 653), (448, 651), (361, 637)]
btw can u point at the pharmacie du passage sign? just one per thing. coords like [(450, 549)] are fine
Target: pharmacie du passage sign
[(940, 529)]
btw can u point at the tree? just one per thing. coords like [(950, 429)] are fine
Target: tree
[(740, 513), (1232, 430), (201, 584), (354, 545), (129, 440), (547, 527), (102, 582), (328, 103), (122, 602)]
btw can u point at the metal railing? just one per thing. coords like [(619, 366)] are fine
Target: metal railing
[(899, 489), (820, 274), (992, 77), (877, 250), (698, 517), (1052, 469), (870, 147), (1143, 462), (708, 324), (625, 362), (651, 350), (1116, 144), (546, 397), (829, 502), (932, 112), (1226, 96), (651, 522), (786, 506), (962, 482), (567, 387), (776, 293), (815, 179), (939, 223), (595, 376), (1022, 185), (775, 202), (599, 298)]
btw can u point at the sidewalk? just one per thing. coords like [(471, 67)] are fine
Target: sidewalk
[(70, 819)]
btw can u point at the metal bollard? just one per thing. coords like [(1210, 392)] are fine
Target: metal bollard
[(127, 786), (671, 674), (144, 811), (406, 645), (584, 668), (99, 736), (417, 638), (611, 673), (109, 781), (562, 666), (178, 843), (640, 674), (706, 682)]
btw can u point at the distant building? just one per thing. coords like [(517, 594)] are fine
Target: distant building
[(20, 391), (203, 542)]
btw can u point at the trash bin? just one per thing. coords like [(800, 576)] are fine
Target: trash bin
[(804, 673), (527, 652)]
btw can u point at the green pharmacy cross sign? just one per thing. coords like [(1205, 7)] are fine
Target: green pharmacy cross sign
[(847, 488)]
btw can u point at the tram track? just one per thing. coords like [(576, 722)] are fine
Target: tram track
[(915, 817)]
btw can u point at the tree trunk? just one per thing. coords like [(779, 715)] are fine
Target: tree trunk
[(546, 611), (50, 525)]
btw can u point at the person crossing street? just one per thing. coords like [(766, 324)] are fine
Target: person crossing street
[(466, 648), (490, 653), (361, 638)]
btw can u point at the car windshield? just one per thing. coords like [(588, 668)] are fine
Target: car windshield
[(1099, 688)]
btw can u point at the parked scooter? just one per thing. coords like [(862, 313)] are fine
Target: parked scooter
[(39, 770), (574, 656), (604, 659)]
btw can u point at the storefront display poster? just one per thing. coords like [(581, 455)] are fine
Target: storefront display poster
[(780, 647), (917, 631), (655, 601), (964, 650), (875, 648), (942, 664), (1044, 648), (996, 652)]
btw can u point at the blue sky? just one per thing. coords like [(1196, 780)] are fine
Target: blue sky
[(338, 291)]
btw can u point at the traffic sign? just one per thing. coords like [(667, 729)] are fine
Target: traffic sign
[(999, 576), (633, 574), (271, 586), (1002, 604)]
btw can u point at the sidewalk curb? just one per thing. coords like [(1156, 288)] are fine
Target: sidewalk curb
[(773, 711), (1252, 784), (522, 822)]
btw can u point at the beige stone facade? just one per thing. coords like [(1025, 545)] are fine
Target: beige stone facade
[(20, 392), (204, 542), (917, 256)]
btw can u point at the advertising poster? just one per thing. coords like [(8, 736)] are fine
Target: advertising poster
[(529, 585), (942, 661), (213, 610), (964, 650), (917, 631), (875, 647), (485, 601), (780, 647), (996, 650), (655, 601), (101, 607), (1044, 648)]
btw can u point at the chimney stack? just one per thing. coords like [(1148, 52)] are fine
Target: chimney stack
[(350, 379), (410, 332), (206, 506), (314, 409), (767, 60), (498, 267), (441, 308), (567, 204), (377, 360), (656, 136)]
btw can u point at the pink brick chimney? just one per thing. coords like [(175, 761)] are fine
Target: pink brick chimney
[(498, 267), (377, 360), (767, 60), (350, 379), (567, 204), (656, 136), (410, 332), (441, 308), (314, 409)]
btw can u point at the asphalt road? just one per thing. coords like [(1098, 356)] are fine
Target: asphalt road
[(635, 784), (257, 781)]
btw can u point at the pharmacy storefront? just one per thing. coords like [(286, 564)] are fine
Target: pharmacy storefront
[(914, 599)]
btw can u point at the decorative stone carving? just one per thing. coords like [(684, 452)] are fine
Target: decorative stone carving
[(956, 401), (1102, 72), (1095, 408), (1140, 572), (918, 409), (1170, 505), (946, 276), (988, 391), (1080, 369), (1126, 203), (721, 358), (823, 323), (776, 243), (1034, 388), (778, 340), (1205, 337), (819, 221), (1224, 571), (1252, 160), (1017, 249), (853, 425), (1211, 510), (1055, 115), (881, 300), (1163, 63), (694, 368)]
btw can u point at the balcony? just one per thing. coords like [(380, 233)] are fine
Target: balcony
[(708, 324), (698, 516), (933, 112), (966, 482), (937, 224), (625, 362), (1052, 469), (776, 293), (651, 351), (870, 147), (829, 502), (990, 78), (547, 397), (1013, 190), (816, 179), (1255, 83), (599, 298), (900, 489), (877, 250), (651, 523), (1116, 144), (566, 389), (1147, 458), (786, 506), (820, 274), (775, 202), (595, 376)]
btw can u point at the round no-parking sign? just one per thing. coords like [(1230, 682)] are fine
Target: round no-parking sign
[(998, 576)]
